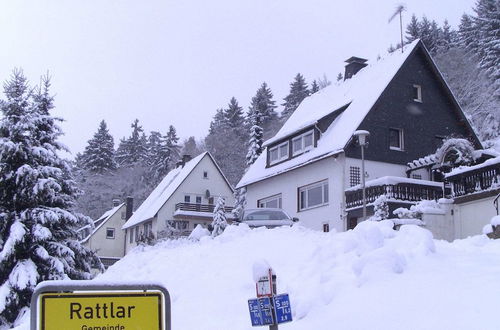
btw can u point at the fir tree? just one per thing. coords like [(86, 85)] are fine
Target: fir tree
[(234, 115), (38, 239), (134, 149), (340, 77), (219, 222), (380, 208), (324, 82), (467, 35), (166, 154), (487, 23), (263, 103), (314, 87), (240, 196), (99, 154), (256, 137), (298, 92), (413, 29)]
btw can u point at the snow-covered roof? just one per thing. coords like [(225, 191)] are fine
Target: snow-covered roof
[(422, 162), (464, 169), (358, 93), (163, 191), (101, 221)]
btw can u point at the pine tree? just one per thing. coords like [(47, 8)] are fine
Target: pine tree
[(467, 34), (298, 92), (234, 114), (340, 77), (134, 149), (263, 103), (155, 140), (191, 147), (413, 29), (99, 154), (487, 23), (219, 222), (256, 137), (314, 87), (240, 196), (380, 208), (166, 154), (38, 239)]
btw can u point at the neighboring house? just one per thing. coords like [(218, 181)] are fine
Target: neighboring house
[(107, 238), (308, 167), (182, 200)]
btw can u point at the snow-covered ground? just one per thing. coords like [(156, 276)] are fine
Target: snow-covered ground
[(368, 278)]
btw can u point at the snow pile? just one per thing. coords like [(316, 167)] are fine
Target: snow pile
[(492, 226)]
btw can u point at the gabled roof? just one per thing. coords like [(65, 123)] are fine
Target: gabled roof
[(360, 94), (101, 221), (165, 189)]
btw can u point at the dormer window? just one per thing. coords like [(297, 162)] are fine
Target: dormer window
[(278, 153), (417, 93), (302, 143)]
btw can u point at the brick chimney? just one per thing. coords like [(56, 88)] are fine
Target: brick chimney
[(129, 208), (354, 64)]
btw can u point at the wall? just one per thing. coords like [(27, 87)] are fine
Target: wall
[(374, 169), (287, 185), (109, 247), (473, 216)]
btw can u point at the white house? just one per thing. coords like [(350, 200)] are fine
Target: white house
[(107, 238), (181, 201), (308, 167)]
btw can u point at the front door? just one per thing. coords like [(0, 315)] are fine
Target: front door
[(351, 223)]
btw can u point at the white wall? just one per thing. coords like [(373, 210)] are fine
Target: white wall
[(287, 184), (375, 170), (109, 247), (473, 216)]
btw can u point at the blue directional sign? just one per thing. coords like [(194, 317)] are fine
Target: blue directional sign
[(282, 308), (260, 311)]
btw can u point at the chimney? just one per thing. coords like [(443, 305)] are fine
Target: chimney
[(183, 161), (116, 202), (354, 64), (129, 207)]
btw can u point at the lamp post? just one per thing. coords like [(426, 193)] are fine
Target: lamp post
[(361, 136)]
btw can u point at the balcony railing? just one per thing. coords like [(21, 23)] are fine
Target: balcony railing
[(194, 207), (475, 180), (410, 192)]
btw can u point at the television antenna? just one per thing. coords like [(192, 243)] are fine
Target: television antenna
[(399, 10)]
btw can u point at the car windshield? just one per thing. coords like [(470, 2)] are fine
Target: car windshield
[(264, 215)]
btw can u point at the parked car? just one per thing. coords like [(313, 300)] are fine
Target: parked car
[(268, 217)]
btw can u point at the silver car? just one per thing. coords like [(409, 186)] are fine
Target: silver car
[(268, 217)]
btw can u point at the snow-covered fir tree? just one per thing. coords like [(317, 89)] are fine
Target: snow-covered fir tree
[(219, 222), (413, 29), (263, 103), (256, 137), (163, 153), (99, 154), (38, 239), (240, 196), (314, 87), (380, 209), (134, 149), (298, 92), (340, 77)]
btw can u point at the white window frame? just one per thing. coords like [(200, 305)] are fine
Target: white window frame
[(306, 189), (110, 237), (401, 139), (263, 202), (419, 93), (280, 157), (301, 137)]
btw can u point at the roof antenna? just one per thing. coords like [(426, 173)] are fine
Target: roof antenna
[(399, 10)]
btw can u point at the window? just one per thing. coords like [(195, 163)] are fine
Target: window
[(198, 199), (148, 228), (302, 143), (130, 235), (354, 176), (110, 233), (273, 201), (326, 227), (187, 199), (278, 153), (416, 176), (136, 233), (205, 175), (210, 200), (123, 215), (396, 140), (313, 195), (417, 93)]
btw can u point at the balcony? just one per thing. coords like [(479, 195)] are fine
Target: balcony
[(475, 179), (397, 189), (181, 208)]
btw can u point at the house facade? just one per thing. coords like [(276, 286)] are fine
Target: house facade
[(312, 166), (107, 239), (184, 199)]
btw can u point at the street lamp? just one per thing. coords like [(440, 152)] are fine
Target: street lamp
[(362, 135)]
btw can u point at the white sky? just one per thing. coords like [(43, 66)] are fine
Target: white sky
[(176, 62)]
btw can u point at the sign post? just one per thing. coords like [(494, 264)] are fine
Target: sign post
[(86, 305), (269, 308)]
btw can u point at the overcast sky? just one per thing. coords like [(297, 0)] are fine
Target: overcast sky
[(176, 62)]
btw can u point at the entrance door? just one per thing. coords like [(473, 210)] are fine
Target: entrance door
[(351, 223)]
